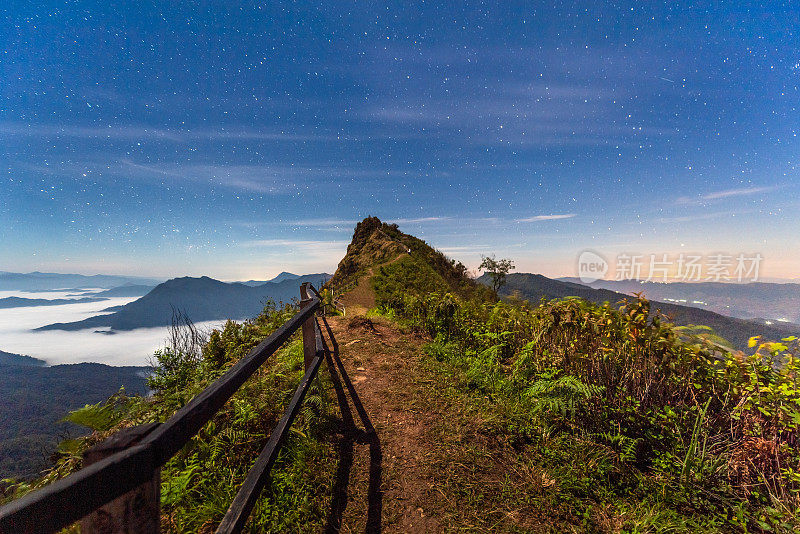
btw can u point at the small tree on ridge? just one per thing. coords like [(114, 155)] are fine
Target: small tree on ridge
[(496, 269)]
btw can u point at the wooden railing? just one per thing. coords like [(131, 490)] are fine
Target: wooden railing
[(118, 488)]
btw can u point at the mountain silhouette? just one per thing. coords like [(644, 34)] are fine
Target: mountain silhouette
[(201, 299)]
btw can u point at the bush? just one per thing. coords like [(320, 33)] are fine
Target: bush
[(199, 482), (681, 414)]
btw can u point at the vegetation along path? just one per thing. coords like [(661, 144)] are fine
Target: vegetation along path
[(432, 463), (444, 409)]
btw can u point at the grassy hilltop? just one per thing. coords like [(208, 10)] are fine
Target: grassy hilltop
[(559, 415)]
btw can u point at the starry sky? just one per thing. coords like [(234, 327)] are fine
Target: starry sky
[(241, 139)]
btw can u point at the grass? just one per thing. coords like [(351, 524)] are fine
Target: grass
[(593, 418), (499, 472), (199, 483)]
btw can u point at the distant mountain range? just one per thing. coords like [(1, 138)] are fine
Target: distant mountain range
[(21, 302), (127, 290), (201, 299), (37, 281), (533, 287), (757, 300), (82, 297), (280, 278)]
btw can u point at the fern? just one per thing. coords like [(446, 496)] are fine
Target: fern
[(103, 415), (562, 395), (625, 446)]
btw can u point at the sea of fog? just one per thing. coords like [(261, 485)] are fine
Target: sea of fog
[(134, 347)]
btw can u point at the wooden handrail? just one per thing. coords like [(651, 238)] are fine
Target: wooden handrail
[(336, 303), (67, 500), (236, 516)]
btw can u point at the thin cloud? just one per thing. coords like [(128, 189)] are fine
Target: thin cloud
[(737, 192), (727, 193), (419, 220), (554, 217), (320, 223), (571, 109), (476, 249), (268, 179), (148, 133), (690, 218)]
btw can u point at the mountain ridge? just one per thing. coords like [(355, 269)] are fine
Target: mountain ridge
[(22, 302), (770, 300), (200, 298), (381, 249), (11, 358), (38, 281)]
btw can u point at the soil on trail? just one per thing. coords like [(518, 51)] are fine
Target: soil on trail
[(416, 454), (381, 364), (359, 299)]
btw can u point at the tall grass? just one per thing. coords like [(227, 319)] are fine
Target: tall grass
[(711, 431)]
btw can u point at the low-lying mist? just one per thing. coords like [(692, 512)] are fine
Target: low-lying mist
[(134, 347)]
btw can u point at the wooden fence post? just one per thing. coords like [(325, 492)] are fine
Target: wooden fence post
[(309, 336), (139, 510)]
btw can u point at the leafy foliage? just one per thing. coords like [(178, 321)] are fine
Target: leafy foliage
[(200, 482), (408, 275), (102, 416), (496, 269), (660, 410)]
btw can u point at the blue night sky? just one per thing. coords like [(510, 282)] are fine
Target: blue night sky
[(237, 140)]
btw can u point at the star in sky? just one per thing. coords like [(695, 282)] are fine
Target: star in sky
[(242, 140)]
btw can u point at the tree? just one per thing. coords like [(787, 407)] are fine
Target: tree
[(496, 269)]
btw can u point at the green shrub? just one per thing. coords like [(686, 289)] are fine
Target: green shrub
[(199, 482), (671, 411)]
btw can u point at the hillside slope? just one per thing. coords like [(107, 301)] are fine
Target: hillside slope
[(381, 250), (745, 300), (534, 287), (128, 290), (445, 410), (10, 358), (35, 398)]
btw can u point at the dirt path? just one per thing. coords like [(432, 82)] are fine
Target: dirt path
[(418, 454), (362, 298), (380, 364)]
